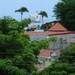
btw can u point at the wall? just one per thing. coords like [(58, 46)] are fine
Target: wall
[(62, 41), (38, 37), (60, 44), (46, 61)]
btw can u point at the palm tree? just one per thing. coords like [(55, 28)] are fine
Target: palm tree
[(21, 10), (43, 14)]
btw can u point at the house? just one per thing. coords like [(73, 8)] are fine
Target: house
[(33, 26), (57, 30), (46, 57)]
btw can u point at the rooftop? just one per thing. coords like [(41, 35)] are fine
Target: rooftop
[(47, 33), (46, 53), (33, 26), (57, 27)]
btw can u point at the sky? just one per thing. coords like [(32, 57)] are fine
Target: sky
[(8, 7)]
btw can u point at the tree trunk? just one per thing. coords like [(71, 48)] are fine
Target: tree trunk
[(21, 15), (42, 20)]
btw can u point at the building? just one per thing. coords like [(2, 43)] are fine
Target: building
[(46, 57), (57, 30)]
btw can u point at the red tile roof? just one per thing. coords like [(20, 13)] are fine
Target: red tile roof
[(46, 53), (47, 33), (57, 27), (33, 26)]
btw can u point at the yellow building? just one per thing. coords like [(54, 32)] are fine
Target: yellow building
[(46, 57)]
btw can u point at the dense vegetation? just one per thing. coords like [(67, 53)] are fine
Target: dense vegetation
[(64, 66), (65, 13), (18, 55)]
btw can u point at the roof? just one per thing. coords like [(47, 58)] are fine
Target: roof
[(33, 26), (46, 53), (47, 33), (57, 27)]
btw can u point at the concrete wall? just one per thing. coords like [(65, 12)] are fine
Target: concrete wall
[(62, 40), (38, 37), (60, 44)]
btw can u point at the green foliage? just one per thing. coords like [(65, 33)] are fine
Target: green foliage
[(18, 54), (23, 23), (22, 10), (53, 39), (15, 56), (34, 47), (4, 26), (13, 25), (69, 55), (38, 45), (8, 24), (46, 26), (65, 13), (7, 68), (43, 44), (43, 14), (17, 51), (65, 65)]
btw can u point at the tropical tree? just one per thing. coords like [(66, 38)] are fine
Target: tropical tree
[(43, 14), (15, 55), (46, 26), (4, 21), (64, 12), (22, 24), (8, 24), (21, 10)]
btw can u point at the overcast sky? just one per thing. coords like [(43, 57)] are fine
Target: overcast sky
[(8, 7)]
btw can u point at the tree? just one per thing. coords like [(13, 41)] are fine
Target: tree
[(14, 53), (4, 21), (46, 26), (23, 23), (22, 10), (17, 51), (43, 14), (64, 12), (8, 24), (64, 66)]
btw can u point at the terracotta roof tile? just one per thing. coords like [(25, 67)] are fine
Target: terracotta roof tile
[(47, 33), (33, 26), (46, 53), (57, 27)]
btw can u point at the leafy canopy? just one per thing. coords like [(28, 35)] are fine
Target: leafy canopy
[(64, 11)]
